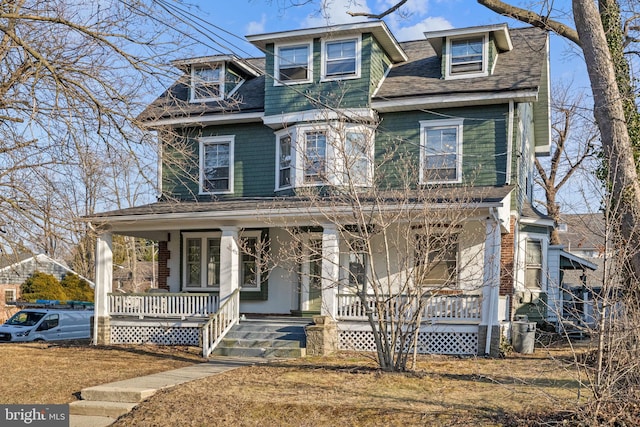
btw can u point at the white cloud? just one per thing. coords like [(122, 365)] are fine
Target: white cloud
[(255, 27), (415, 32), (335, 12)]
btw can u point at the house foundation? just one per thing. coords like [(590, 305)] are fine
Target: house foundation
[(322, 336), (495, 340)]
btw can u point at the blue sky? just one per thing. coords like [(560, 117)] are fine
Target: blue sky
[(245, 17)]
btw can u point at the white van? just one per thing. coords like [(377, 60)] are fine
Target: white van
[(36, 324)]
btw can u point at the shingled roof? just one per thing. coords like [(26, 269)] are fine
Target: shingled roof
[(520, 69)]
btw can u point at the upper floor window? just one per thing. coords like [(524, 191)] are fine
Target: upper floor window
[(315, 153), (216, 164), (441, 151), (293, 64), (467, 56), (341, 59), (207, 82), (332, 153)]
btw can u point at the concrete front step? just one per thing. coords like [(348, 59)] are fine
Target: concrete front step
[(89, 421), (107, 393), (267, 338), (264, 352), (100, 408)]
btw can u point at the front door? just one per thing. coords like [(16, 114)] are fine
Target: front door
[(311, 277)]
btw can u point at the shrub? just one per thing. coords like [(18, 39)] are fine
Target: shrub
[(75, 288), (42, 286)]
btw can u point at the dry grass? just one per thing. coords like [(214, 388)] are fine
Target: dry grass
[(347, 390), (55, 373)]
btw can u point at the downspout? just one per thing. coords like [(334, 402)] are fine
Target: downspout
[(507, 179)]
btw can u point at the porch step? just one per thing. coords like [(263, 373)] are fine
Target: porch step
[(100, 408), (267, 338)]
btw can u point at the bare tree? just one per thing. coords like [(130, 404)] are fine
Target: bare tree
[(574, 143), (73, 80)]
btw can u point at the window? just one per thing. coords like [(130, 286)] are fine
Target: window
[(436, 259), (207, 82), (341, 59), (284, 161), (441, 146), (202, 261), (9, 295), (533, 264), (315, 157), (216, 165), (357, 157), (358, 263), (293, 64), (467, 56), (250, 277)]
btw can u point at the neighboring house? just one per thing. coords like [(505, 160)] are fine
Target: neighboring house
[(471, 109), (16, 269), (582, 236)]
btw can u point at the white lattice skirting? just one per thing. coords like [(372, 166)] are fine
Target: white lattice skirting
[(155, 334), (459, 343)]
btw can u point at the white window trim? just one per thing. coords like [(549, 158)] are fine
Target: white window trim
[(485, 57), (257, 234), (431, 124), (324, 77), (203, 260), (13, 292), (334, 163), (276, 64), (192, 97), (292, 135), (522, 262), (230, 139), (436, 286)]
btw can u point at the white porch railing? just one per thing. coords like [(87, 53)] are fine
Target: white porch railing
[(221, 322), (454, 308), (163, 305)]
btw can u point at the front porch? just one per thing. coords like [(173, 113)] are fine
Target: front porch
[(450, 323)]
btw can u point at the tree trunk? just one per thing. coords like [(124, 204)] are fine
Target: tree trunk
[(609, 114)]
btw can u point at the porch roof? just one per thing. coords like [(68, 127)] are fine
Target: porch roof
[(248, 212), (569, 261)]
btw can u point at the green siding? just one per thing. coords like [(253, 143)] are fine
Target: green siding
[(348, 93), (379, 63), (484, 144), (254, 162)]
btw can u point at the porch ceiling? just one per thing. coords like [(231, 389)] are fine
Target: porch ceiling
[(147, 220)]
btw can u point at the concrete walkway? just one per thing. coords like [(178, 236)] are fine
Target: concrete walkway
[(101, 405)]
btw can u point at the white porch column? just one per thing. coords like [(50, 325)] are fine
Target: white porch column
[(103, 281), (229, 262), (491, 289), (330, 270)]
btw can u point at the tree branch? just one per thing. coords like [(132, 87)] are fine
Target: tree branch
[(532, 18), (381, 15)]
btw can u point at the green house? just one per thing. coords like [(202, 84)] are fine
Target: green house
[(341, 160)]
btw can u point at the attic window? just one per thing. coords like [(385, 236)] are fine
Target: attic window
[(341, 59), (293, 64), (467, 56), (207, 82)]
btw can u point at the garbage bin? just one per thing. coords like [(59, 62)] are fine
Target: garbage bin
[(523, 336)]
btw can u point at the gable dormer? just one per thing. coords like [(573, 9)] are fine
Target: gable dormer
[(215, 78), (470, 52)]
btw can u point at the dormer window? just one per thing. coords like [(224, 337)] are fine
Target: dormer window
[(207, 82), (467, 56), (341, 59), (293, 64)]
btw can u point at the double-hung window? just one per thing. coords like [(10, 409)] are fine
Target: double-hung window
[(293, 64), (284, 161), (250, 259), (436, 259), (341, 59), (467, 56), (9, 295), (216, 164), (315, 157), (201, 261), (358, 163), (207, 83), (441, 151)]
